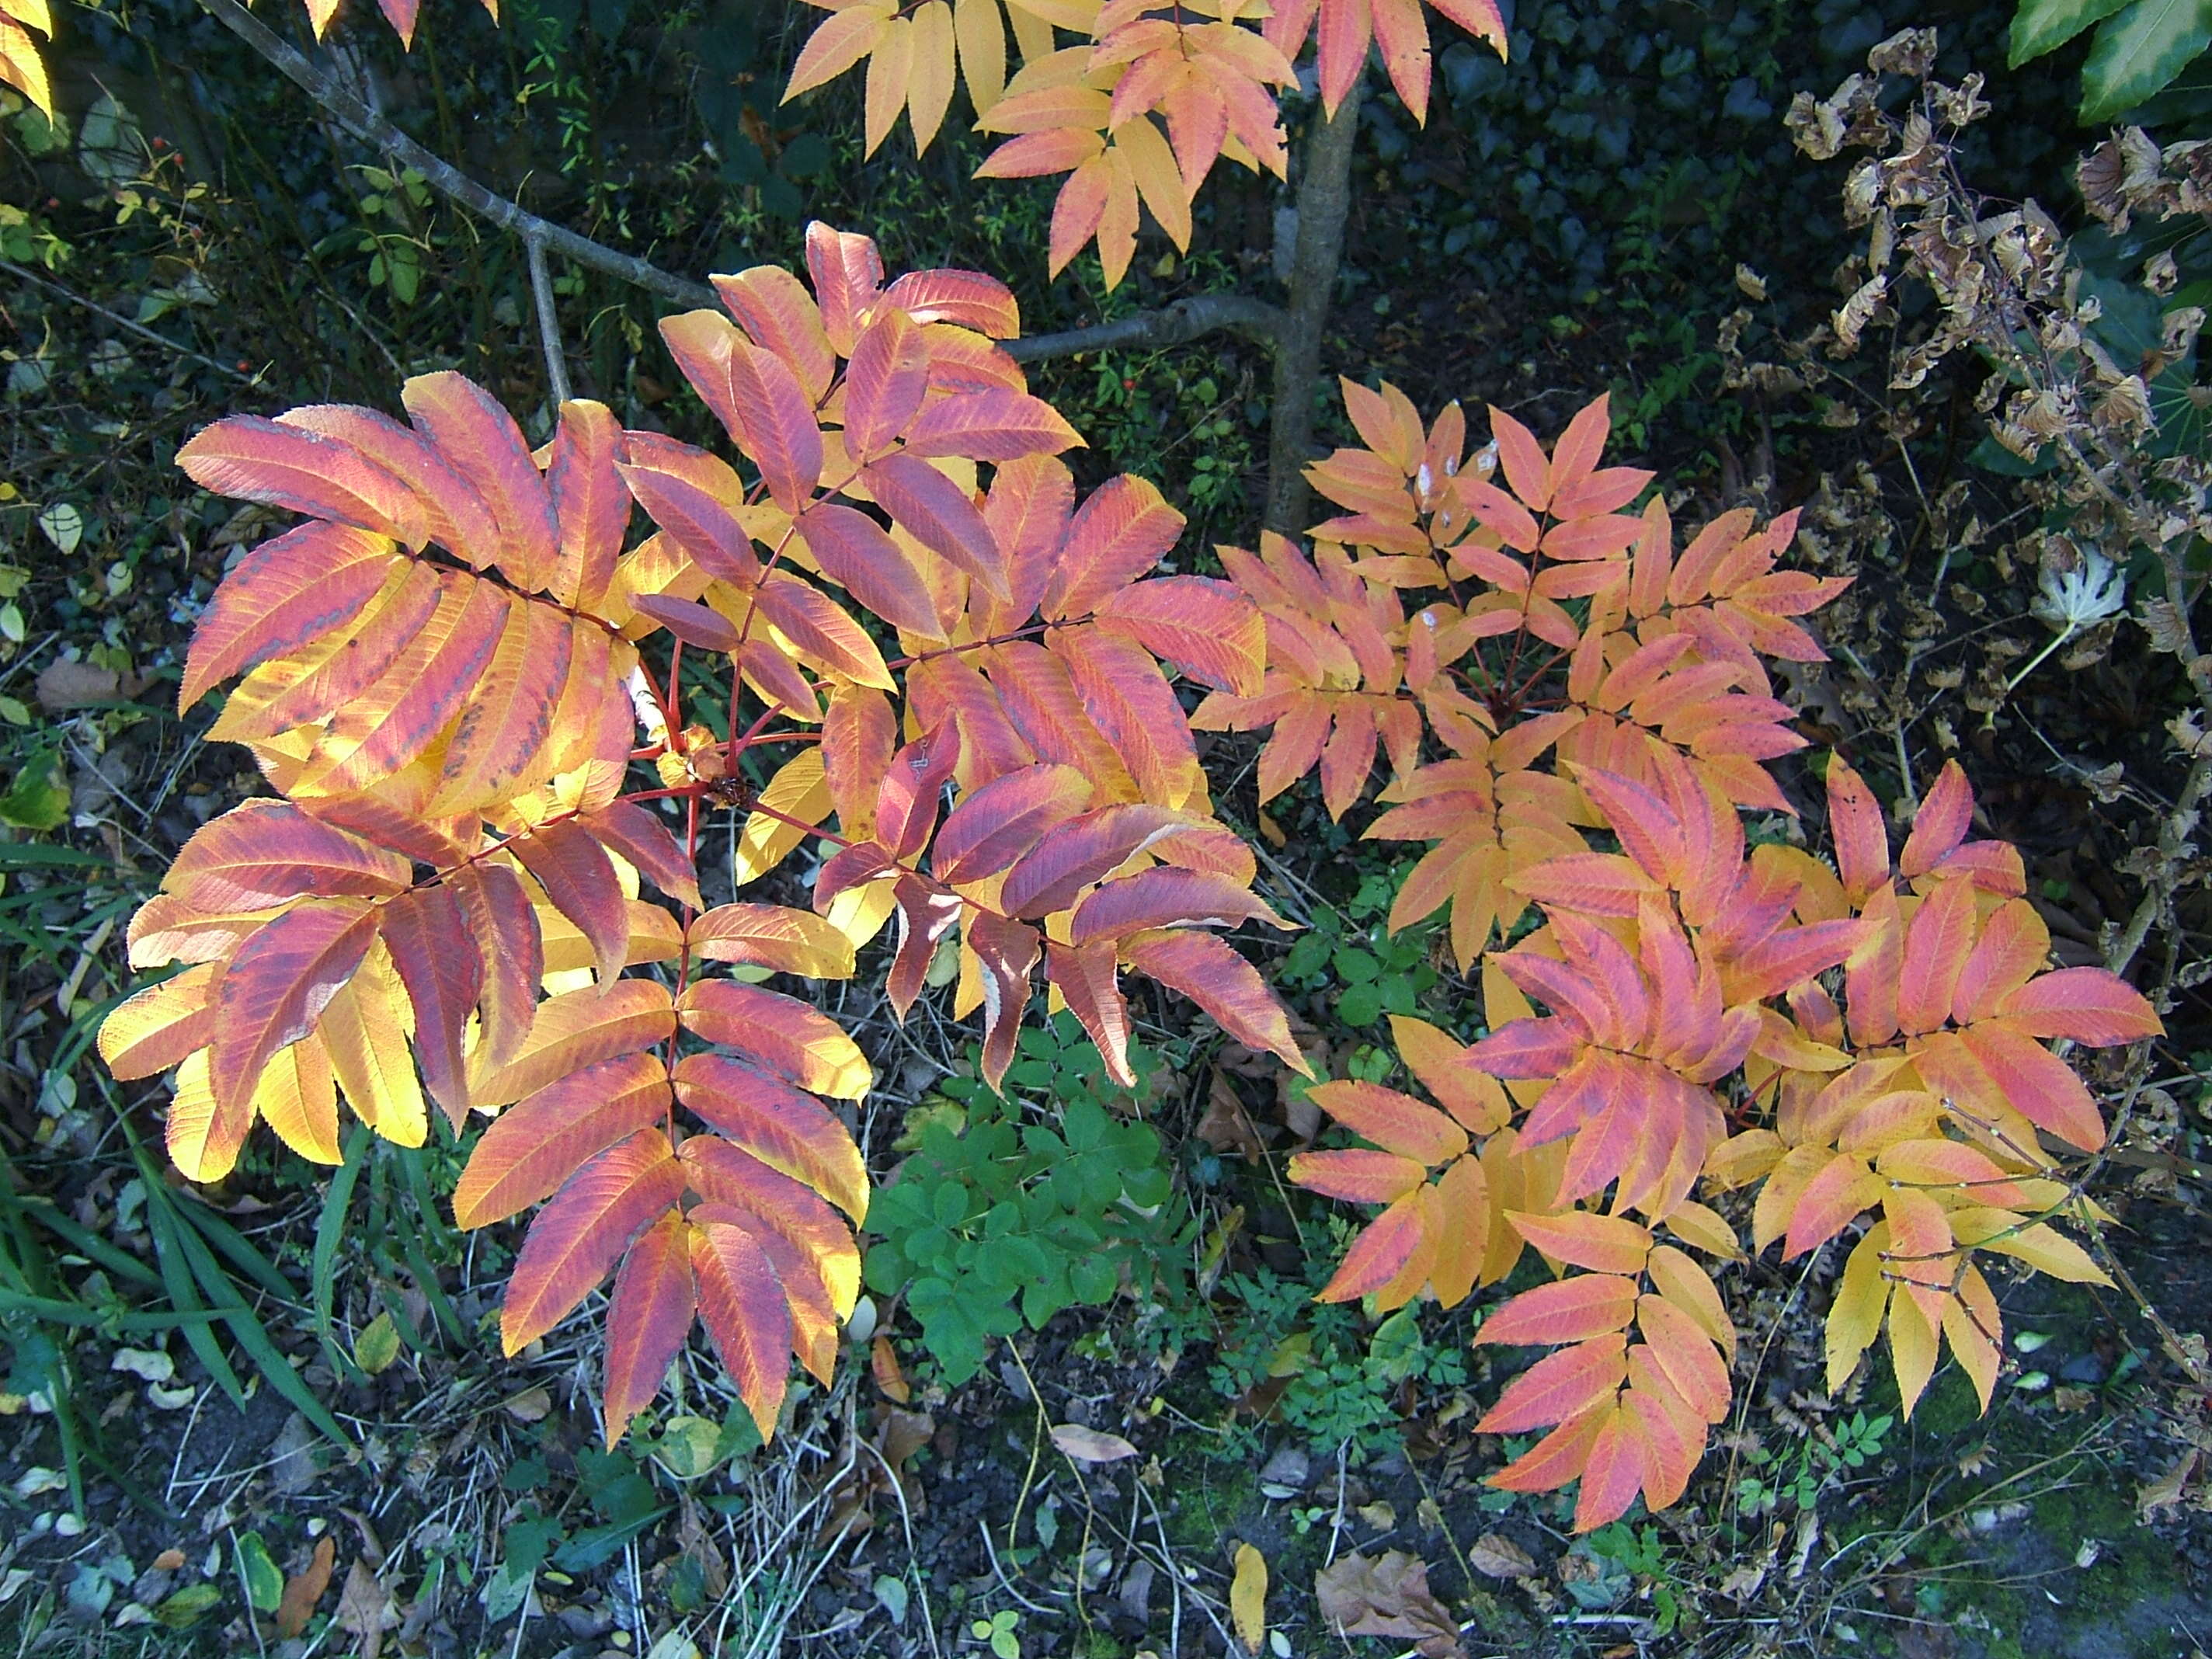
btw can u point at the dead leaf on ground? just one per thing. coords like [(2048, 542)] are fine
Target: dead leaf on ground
[(1090, 1445), (366, 1609), (530, 1405), (303, 1591), (1248, 1598), (1496, 1556), (1387, 1595), (2164, 1493), (62, 686), (169, 1560), (1227, 1127), (883, 1362)]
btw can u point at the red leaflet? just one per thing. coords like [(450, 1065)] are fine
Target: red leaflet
[(1007, 951), (508, 717), (534, 1146), (1560, 1387), (1069, 858), (402, 715), (995, 424), (855, 553), (742, 1301), (1363, 1177), (649, 1316), (821, 630), (1573, 1311), (301, 689), (500, 917), (259, 460), (288, 593), (432, 945), (277, 986), (1397, 1123), (2086, 1004), (775, 423), (590, 504), (785, 1128), (1211, 974), (691, 514), (1004, 819), (583, 1232), (1117, 535), (690, 621), (263, 853), (1202, 629), (1087, 979), (455, 515), (884, 384), (632, 832), (778, 315), (1383, 1251), (908, 799), (579, 883), (1166, 897), (480, 441), (779, 1033), (1128, 700), (936, 513)]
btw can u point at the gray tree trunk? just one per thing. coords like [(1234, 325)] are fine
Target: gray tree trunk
[(1324, 199)]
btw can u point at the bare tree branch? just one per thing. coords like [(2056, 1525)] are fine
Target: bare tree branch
[(373, 128), (1175, 325), (549, 323)]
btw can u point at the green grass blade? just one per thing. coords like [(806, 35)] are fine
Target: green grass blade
[(337, 1203)]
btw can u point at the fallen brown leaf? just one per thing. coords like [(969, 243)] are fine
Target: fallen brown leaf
[(62, 686), (530, 1405), (2164, 1493), (366, 1609), (882, 1361), (1227, 1127), (1496, 1556), (1387, 1595), (303, 1591), (1090, 1445)]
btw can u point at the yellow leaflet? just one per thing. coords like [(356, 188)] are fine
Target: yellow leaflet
[(799, 790), (891, 67), (981, 34), (1855, 1316), (365, 1029), (200, 1150), (929, 90), (1159, 180), (297, 1097), (1077, 16), (860, 913)]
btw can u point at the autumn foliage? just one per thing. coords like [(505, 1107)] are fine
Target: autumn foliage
[(1140, 105), (1671, 1011), (458, 670), (478, 700)]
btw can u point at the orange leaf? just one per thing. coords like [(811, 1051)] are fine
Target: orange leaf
[(1574, 1309), (1213, 976), (1379, 1254), (531, 1149), (1603, 1244), (1397, 1122), (742, 1301), (277, 986), (787, 1130), (584, 1230), (779, 1033), (286, 594), (260, 460), (1560, 1387)]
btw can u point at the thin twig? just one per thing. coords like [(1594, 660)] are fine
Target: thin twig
[(143, 333), (1174, 324), (371, 127), (549, 322)]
